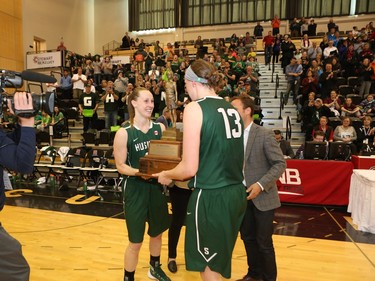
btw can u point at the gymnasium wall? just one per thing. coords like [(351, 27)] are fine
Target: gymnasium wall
[(11, 48)]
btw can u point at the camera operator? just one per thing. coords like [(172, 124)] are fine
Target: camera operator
[(17, 153)]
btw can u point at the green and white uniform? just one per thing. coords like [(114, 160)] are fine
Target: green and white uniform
[(218, 202), (144, 201)]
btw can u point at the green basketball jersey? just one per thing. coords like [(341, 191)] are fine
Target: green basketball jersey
[(221, 151), (138, 142)]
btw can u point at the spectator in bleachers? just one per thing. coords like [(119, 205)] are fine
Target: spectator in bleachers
[(44, 122), (305, 43), (149, 58), (313, 50), (284, 145), (327, 81), (330, 50), (324, 43), (336, 66), (248, 41), (288, 48), (316, 68), (276, 48), (125, 41), (294, 28), (318, 136), (88, 106), (309, 84), (365, 73), (349, 109), (229, 74), (79, 80), (304, 27), (293, 74), (107, 69), (241, 49), (365, 134), (123, 106), (131, 74), (275, 23), (331, 35), (358, 45), (331, 25), (337, 40), (333, 102), (175, 64), (312, 116), (346, 133), (312, 28), (325, 128), (61, 47), (251, 61), (268, 42), (258, 30), (89, 69), (156, 93), (252, 53), (366, 52), (350, 61), (121, 83), (368, 105), (154, 73), (66, 86), (305, 62), (169, 53), (57, 121), (139, 79), (110, 100), (97, 65)]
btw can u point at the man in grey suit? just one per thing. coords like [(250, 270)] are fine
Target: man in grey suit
[(264, 164)]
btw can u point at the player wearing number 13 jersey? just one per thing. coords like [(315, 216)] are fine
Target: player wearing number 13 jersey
[(213, 157)]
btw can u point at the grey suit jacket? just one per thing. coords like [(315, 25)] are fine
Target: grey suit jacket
[(264, 163)]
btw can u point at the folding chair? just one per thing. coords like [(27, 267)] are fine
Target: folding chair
[(47, 156), (108, 171), (93, 163), (76, 159)]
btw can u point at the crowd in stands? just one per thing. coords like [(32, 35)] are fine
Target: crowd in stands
[(319, 74)]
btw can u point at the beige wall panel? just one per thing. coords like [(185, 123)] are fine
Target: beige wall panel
[(7, 7), (7, 35), (8, 64), (18, 9)]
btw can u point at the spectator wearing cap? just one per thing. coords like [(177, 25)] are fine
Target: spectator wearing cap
[(284, 145)]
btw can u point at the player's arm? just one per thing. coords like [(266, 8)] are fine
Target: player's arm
[(120, 151), (188, 167)]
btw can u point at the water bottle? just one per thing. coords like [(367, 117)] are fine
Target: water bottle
[(52, 181), (85, 186)]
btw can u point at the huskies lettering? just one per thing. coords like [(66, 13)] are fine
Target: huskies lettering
[(141, 146)]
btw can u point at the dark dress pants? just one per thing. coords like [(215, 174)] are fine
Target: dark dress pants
[(256, 233)]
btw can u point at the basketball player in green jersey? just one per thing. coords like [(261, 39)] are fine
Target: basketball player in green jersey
[(144, 200), (213, 157)]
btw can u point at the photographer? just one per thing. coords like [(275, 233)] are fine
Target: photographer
[(17, 153)]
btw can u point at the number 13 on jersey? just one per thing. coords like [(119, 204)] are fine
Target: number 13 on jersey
[(231, 113)]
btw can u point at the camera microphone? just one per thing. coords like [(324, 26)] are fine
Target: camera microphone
[(37, 77)]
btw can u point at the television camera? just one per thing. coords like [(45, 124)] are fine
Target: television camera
[(12, 79)]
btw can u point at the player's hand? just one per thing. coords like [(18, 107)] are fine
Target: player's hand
[(253, 191), (163, 178)]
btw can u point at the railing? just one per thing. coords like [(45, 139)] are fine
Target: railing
[(288, 131), (110, 46), (282, 103), (277, 84)]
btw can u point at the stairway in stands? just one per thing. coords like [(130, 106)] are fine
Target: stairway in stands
[(271, 105)]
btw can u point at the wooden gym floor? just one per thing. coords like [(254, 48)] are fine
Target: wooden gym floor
[(70, 238)]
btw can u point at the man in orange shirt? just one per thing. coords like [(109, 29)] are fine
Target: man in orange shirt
[(275, 23)]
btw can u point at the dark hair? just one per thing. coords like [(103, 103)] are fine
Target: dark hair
[(319, 133), (207, 71), (247, 102), (277, 132), (134, 96)]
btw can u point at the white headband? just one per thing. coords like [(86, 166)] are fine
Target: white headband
[(191, 76)]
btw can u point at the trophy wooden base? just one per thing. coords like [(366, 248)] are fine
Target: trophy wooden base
[(149, 164), (172, 134)]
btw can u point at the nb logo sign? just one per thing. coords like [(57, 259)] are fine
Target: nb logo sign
[(290, 177)]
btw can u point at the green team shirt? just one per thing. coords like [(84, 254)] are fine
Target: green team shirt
[(221, 151), (138, 142)]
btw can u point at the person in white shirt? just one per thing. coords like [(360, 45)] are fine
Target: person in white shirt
[(79, 80)]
